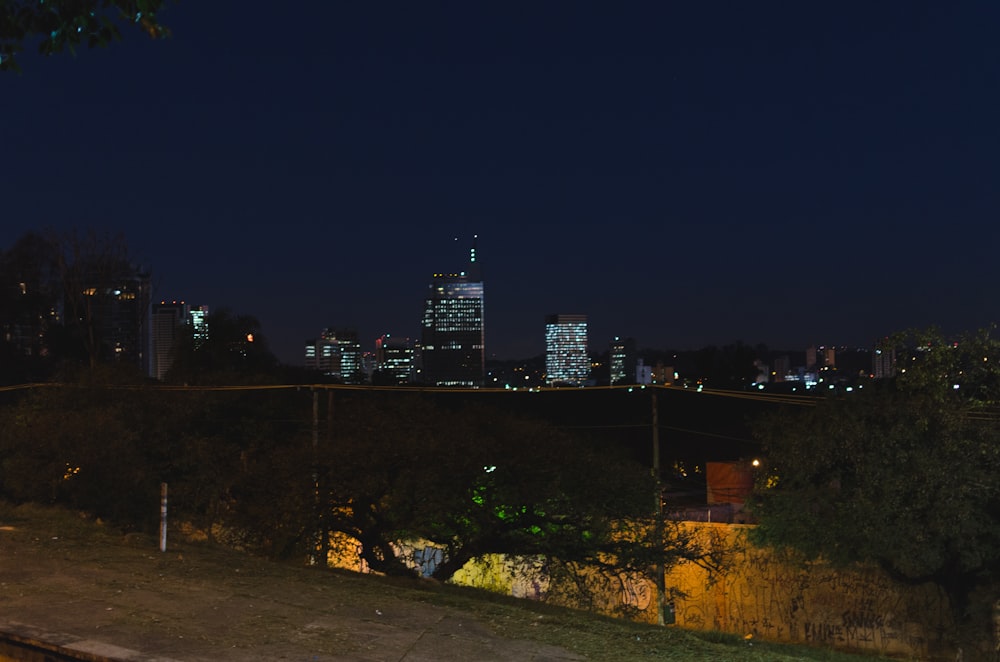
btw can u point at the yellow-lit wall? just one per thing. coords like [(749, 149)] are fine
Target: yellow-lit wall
[(761, 594), (752, 591)]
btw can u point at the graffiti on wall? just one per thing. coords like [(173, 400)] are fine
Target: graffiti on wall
[(756, 592), (637, 591), (762, 594)]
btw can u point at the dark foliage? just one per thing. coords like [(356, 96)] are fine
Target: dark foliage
[(904, 474), (58, 25), (235, 352), (283, 469)]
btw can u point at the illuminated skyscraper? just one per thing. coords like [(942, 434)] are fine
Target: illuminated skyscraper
[(453, 332), (394, 362), (622, 357), (337, 353), (198, 319), (567, 361)]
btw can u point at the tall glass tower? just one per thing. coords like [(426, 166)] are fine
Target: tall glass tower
[(453, 332), (623, 360), (198, 318), (567, 361)]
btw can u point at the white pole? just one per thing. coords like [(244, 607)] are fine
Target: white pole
[(163, 517)]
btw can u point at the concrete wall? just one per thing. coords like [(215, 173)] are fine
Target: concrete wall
[(757, 592), (751, 592)]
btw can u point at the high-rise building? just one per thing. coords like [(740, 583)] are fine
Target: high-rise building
[(622, 359), (198, 319), (394, 360), (168, 319), (337, 354), (453, 332), (884, 362), (111, 312), (567, 361)]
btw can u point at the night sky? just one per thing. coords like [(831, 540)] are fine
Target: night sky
[(683, 173)]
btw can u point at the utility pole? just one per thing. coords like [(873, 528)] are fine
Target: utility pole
[(656, 449), (163, 517), (319, 534), (661, 580), (324, 481)]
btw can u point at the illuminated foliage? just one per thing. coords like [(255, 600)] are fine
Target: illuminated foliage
[(526, 488), (391, 466)]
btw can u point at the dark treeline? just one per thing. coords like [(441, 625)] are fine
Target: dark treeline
[(693, 427), (283, 470), (903, 475)]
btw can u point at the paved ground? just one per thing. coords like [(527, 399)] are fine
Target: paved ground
[(129, 601)]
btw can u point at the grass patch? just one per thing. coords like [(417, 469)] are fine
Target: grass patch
[(37, 532)]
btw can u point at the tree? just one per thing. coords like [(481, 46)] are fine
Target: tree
[(106, 296), (730, 367), (89, 445), (477, 481), (904, 474), (103, 440), (71, 298), (235, 351), (65, 24), (29, 303), (527, 488)]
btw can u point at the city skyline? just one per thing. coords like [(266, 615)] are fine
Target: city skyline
[(683, 175)]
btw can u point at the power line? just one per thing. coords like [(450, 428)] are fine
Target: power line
[(710, 434)]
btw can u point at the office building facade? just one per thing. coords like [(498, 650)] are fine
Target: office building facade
[(453, 332), (567, 361), (622, 359), (198, 319), (336, 353), (394, 360)]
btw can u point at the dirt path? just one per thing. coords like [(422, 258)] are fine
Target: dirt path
[(123, 598)]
